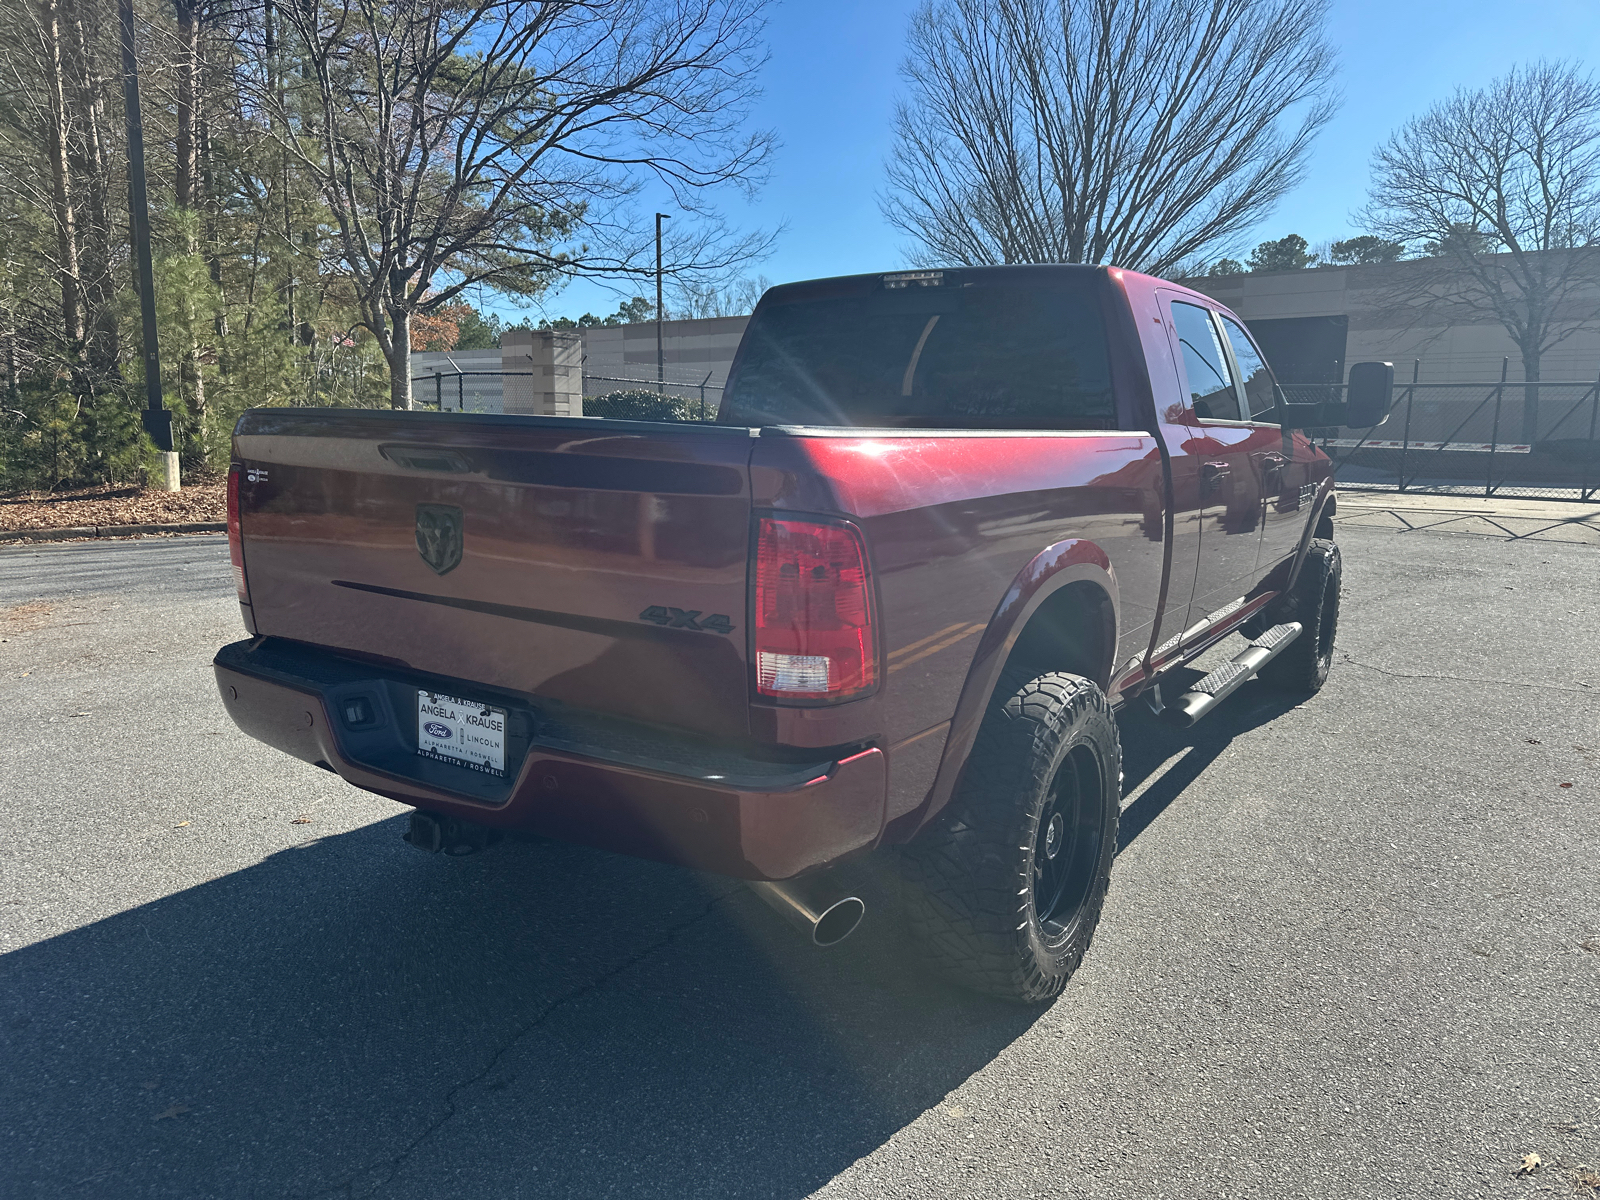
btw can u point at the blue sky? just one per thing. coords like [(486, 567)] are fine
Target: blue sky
[(831, 85)]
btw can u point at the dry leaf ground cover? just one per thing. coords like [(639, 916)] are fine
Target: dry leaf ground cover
[(113, 504)]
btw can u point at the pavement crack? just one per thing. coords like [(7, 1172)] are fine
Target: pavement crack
[(1583, 689), (395, 1163)]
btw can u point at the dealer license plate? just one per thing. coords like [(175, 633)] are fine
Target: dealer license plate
[(463, 732)]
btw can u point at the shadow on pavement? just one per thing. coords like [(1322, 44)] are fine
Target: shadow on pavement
[(352, 1017), (1148, 743)]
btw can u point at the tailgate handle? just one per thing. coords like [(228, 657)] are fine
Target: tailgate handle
[(426, 458)]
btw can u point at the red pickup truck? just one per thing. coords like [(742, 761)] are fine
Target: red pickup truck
[(945, 524)]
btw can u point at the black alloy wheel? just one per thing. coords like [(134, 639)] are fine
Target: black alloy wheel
[(1314, 602), (1068, 841), (1005, 888)]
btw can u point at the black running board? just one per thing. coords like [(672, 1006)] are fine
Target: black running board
[(1228, 678)]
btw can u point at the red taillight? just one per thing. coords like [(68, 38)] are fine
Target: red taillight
[(813, 612), (235, 540)]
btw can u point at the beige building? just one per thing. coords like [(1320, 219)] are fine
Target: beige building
[(1314, 323), (693, 351)]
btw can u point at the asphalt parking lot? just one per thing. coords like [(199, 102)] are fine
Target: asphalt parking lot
[(1352, 947)]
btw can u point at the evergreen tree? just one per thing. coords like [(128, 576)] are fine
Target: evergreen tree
[(1285, 254)]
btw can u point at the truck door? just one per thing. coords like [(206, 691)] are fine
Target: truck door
[(1221, 441), (1281, 461)]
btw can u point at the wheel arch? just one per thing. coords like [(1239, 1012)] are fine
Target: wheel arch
[(1322, 521), (1061, 613)]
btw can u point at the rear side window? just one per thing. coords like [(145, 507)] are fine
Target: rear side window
[(1017, 355), (1211, 389), (1259, 398)]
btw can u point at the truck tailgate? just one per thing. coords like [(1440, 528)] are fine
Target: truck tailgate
[(597, 563)]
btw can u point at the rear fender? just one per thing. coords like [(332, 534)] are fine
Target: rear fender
[(1075, 560)]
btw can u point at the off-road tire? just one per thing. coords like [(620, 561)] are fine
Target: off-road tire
[(1314, 602), (973, 880)]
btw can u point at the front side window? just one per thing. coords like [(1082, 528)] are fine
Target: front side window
[(1259, 396), (1211, 389), (986, 354)]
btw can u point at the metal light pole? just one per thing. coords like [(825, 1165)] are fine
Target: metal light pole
[(661, 357), (157, 420)]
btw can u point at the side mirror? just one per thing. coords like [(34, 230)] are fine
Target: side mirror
[(1369, 395), (1366, 404), (1308, 416)]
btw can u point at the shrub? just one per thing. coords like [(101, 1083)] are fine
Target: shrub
[(642, 404)]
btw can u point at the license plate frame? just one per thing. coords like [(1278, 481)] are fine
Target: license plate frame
[(462, 732)]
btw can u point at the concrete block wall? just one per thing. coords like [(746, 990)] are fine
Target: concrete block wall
[(543, 372)]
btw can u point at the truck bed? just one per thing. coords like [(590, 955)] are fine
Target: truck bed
[(601, 582), (569, 530)]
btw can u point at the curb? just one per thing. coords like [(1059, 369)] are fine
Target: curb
[(108, 531), (1525, 508)]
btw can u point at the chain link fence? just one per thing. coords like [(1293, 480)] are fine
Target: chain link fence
[(1503, 438), (485, 391), (463, 391), (696, 387)]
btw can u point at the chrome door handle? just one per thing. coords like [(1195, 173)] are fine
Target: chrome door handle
[(1212, 474)]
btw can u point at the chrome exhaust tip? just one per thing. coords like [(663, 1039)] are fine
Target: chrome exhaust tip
[(815, 905)]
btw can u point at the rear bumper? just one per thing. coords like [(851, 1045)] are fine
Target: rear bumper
[(712, 810)]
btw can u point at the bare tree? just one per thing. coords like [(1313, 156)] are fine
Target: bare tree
[(194, 18), (464, 143), (53, 111), (1500, 187), (55, 122), (1138, 132), (733, 298)]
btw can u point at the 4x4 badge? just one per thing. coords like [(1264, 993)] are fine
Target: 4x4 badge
[(686, 618)]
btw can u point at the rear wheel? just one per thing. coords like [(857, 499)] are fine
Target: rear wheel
[(1006, 888), (1314, 602)]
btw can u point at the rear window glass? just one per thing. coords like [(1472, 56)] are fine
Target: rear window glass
[(977, 356)]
